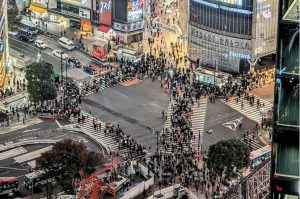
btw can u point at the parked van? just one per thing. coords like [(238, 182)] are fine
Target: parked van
[(66, 43)]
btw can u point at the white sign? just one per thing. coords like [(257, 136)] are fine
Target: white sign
[(84, 13), (212, 38), (128, 27)]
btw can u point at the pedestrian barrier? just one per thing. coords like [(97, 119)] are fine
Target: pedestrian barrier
[(139, 189), (28, 142)]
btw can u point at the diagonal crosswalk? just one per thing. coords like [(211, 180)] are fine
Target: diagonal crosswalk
[(198, 119), (250, 111)]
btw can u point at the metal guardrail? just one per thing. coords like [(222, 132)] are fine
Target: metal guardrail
[(28, 142)]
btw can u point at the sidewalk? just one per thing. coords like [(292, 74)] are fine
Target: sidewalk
[(265, 136)]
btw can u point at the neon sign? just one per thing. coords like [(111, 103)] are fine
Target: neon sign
[(135, 10), (105, 12), (105, 6)]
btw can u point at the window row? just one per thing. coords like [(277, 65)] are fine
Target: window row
[(221, 20)]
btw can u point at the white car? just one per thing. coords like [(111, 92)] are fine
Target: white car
[(59, 54), (40, 44)]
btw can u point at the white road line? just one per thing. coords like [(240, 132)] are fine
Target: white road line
[(11, 153), (32, 155)]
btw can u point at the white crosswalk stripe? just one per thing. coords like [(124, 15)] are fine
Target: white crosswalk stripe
[(168, 148), (252, 141), (106, 140), (101, 81), (250, 111), (198, 119)]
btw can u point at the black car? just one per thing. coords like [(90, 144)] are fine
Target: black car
[(26, 38), (73, 62), (90, 70)]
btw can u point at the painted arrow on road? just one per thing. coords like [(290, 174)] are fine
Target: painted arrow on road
[(233, 123)]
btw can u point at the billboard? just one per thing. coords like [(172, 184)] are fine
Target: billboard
[(134, 10), (105, 13)]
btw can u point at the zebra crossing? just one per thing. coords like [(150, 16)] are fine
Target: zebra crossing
[(101, 82), (250, 111), (167, 149), (252, 141), (198, 119), (106, 140)]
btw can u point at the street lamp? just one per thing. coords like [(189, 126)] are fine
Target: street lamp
[(262, 112)]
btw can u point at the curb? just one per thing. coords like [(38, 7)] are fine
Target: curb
[(261, 137)]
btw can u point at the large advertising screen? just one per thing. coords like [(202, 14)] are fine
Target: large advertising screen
[(134, 10), (105, 14), (223, 16)]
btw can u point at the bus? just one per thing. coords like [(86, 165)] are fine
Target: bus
[(259, 155), (34, 180), (8, 185), (29, 28), (66, 43)]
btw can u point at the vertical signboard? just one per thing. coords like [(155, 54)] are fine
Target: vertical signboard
[(105, 14), (134, 10), (266, 15)]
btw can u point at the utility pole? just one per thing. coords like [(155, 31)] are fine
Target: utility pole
[(199, 146), (215, 72), (61, 70), (66, 83)]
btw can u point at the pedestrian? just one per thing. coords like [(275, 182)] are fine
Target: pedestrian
[(23, 120)]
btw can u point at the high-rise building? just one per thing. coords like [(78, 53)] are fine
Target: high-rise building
[(3, 44), (231, 35), (285, 157)]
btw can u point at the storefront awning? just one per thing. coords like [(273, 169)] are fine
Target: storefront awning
[(104, 29), (37, 9)]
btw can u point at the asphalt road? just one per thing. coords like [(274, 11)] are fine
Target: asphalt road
[(217, 115), (136, 108), (28, 49)]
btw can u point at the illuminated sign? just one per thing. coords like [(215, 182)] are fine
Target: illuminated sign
[(41, 3), (84, 13), (213, 5), (129, 27), (134, 10), (105, 12), (239, 55)]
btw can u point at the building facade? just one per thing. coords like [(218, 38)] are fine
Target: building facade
[(3, 45), (285, 157), (129, 20), (231, 35)]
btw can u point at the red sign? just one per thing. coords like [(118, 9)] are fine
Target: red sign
[(105, 14), (99, 53)]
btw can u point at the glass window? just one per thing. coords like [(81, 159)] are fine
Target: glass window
[(287, 159), (287, 91), (222, 16), (289, 48)]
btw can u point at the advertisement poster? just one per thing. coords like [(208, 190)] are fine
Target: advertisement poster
[(105, 12), (135, 10)]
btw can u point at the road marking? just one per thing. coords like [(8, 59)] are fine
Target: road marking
[(33, 155), (233, 123), (12, 168), (30, 130), (11, 153)]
